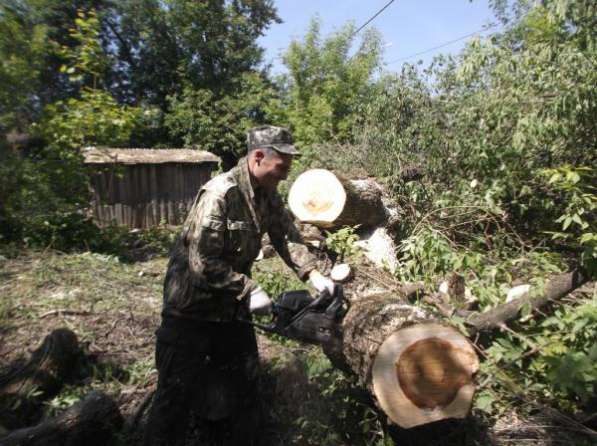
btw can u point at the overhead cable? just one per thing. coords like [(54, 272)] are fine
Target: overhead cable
[(442, 45), (373, 17)]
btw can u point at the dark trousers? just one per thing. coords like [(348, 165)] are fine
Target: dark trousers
[(207, 384)]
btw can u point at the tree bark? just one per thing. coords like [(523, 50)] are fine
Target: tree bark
[(418, 369), (90, 422), (327, 200)]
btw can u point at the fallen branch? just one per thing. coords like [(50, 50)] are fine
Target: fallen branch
[(65, 312), (555, 289)]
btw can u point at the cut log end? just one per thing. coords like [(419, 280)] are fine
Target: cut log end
[(424, 373), (430, 373), (317, 196), (325, 200)]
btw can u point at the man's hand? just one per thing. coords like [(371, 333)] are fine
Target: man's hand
[(259, 302), (320, 282)]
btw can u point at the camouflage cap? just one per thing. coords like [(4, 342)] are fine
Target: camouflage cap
[(277, 138)]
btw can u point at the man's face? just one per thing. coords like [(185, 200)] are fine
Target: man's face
[(271, 168)]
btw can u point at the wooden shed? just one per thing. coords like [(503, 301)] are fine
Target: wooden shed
[(140, 188)]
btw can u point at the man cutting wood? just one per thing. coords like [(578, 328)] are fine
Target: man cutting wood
[(206, 356)]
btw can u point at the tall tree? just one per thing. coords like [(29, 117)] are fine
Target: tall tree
[(33, 34), (327, 82), (154, 49), (165, 46)]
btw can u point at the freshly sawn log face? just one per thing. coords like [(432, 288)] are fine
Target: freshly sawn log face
[(326, 200), (418, 370)]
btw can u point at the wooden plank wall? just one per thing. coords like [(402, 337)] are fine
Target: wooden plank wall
[(146, 195)]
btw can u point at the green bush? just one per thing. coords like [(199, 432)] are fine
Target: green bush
[(327, 84), (218, 122), (485, 125)]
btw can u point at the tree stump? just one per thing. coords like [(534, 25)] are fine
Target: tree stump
[(326, 200), (38, 379), (91, 422)]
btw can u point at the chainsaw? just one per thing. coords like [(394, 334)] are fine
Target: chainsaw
[(297, 315)]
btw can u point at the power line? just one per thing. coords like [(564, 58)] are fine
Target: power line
[(442, 45), (372, 18)]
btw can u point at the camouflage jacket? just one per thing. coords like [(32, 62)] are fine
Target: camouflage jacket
[(208, 275)]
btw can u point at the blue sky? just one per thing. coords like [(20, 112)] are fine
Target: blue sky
[(407, 26)]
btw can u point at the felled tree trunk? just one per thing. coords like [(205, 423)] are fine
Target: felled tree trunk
[(40, 378), (326, 200), (417, 369), (93, 421)]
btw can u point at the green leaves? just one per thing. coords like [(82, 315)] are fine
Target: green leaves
[(578, 193), (343, 241), (86, 62), (219, 123), (555, 358), (484, 401), (168, 46), (327, 84), (94, 119)]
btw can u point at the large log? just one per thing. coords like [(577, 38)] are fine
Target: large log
[(418, 369), (94, 421), (327, 200)]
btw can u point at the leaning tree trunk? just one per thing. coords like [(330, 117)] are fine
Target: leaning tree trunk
[(326, 200), (418, 369), (94, 421)]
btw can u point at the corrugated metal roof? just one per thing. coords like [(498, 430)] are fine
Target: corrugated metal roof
[(106, 155)]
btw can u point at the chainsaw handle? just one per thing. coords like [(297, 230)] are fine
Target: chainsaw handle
[(333, 310)]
